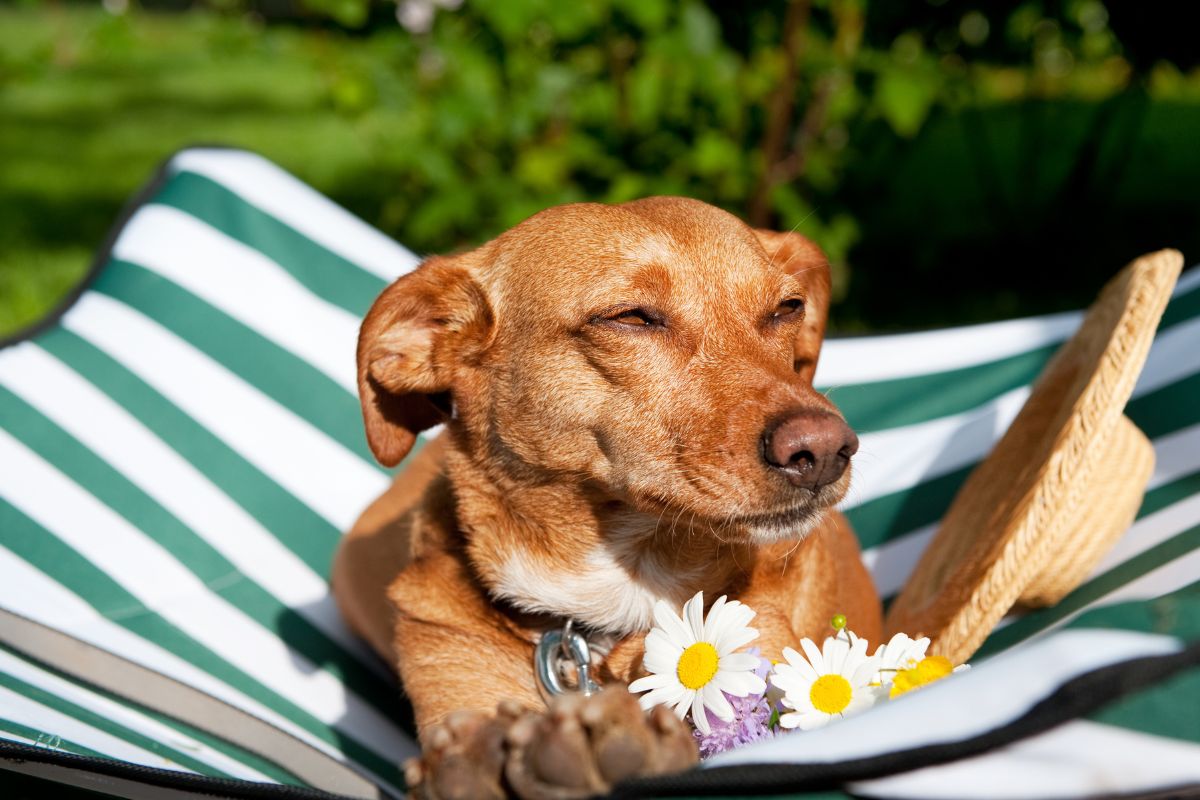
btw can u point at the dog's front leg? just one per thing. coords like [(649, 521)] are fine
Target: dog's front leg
[(484, 730), (578, 747), (458, 658)]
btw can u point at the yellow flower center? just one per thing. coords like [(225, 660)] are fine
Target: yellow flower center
[(697, 665), (928, 670), (934, 668), (830, 694), (905, 680)]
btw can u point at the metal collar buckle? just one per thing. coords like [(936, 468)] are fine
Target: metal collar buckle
[(555, 650)]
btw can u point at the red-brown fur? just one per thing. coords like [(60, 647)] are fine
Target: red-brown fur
[(591, 464)]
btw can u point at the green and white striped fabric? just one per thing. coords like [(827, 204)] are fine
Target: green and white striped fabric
[(181, 448), (178, 456)]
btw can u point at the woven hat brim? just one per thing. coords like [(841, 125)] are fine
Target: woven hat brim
[(1020, 508)]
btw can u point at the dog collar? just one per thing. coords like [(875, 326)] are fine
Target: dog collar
[(558, 652)]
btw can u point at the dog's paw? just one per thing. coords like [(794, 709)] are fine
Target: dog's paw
[(463, 758), (580, 747), (584, 745)]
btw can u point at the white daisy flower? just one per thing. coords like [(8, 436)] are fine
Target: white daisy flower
[(926, 671), (693, 659), (900, 653), (904, 665), (833, 682)]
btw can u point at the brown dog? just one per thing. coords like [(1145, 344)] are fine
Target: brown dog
[(627, 393)]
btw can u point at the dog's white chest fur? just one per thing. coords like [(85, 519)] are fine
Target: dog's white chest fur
[(598, 593)]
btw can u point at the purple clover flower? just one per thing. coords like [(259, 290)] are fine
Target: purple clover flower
[(751, 719)]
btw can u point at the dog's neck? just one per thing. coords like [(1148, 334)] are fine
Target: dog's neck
[(559, 549)]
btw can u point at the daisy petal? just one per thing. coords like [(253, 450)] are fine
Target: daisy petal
[(741, 612), (786, 703), (783, 673), (730, 682), (736, 617), (672, 625), (794, 671), (713, 621), (894, 645), (699, 718), (864, 698), (812, 721), (890, 645), (663, 658), (657, 637), (715, 702), (748, 683), (693, 612), (805, 670), (646, 702), (666, 695), (815, 657), (739, 684), (739, 662), (789, 720), (652, 682), (731, 639), (790, 683), (865, 672), (835, 652), (853, 657)]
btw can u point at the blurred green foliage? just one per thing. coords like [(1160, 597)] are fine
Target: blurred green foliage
[(956, 160)]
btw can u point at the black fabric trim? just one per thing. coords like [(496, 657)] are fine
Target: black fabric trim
[(1176, 792), (203, 785), (164, 778), (1079, 696)]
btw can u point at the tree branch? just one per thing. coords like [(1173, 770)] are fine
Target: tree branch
[(779, 114)]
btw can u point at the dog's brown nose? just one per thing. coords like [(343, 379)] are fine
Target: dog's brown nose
[(811, 448)]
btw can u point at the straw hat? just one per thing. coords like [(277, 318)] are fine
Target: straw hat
[(1065, 481)]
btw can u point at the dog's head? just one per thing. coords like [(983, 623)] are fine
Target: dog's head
[(659, 352)]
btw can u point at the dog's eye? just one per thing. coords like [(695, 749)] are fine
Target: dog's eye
[(793, 305), (635, 317)]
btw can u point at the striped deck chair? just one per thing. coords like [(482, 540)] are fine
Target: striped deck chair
[(180, 448)]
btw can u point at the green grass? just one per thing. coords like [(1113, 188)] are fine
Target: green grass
[(34, 279), (979, 216), (91, 104)]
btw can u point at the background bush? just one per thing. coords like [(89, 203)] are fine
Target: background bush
[(958, 162)]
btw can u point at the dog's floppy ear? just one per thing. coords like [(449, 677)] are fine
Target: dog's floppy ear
[(803, 258), (411, 344)]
